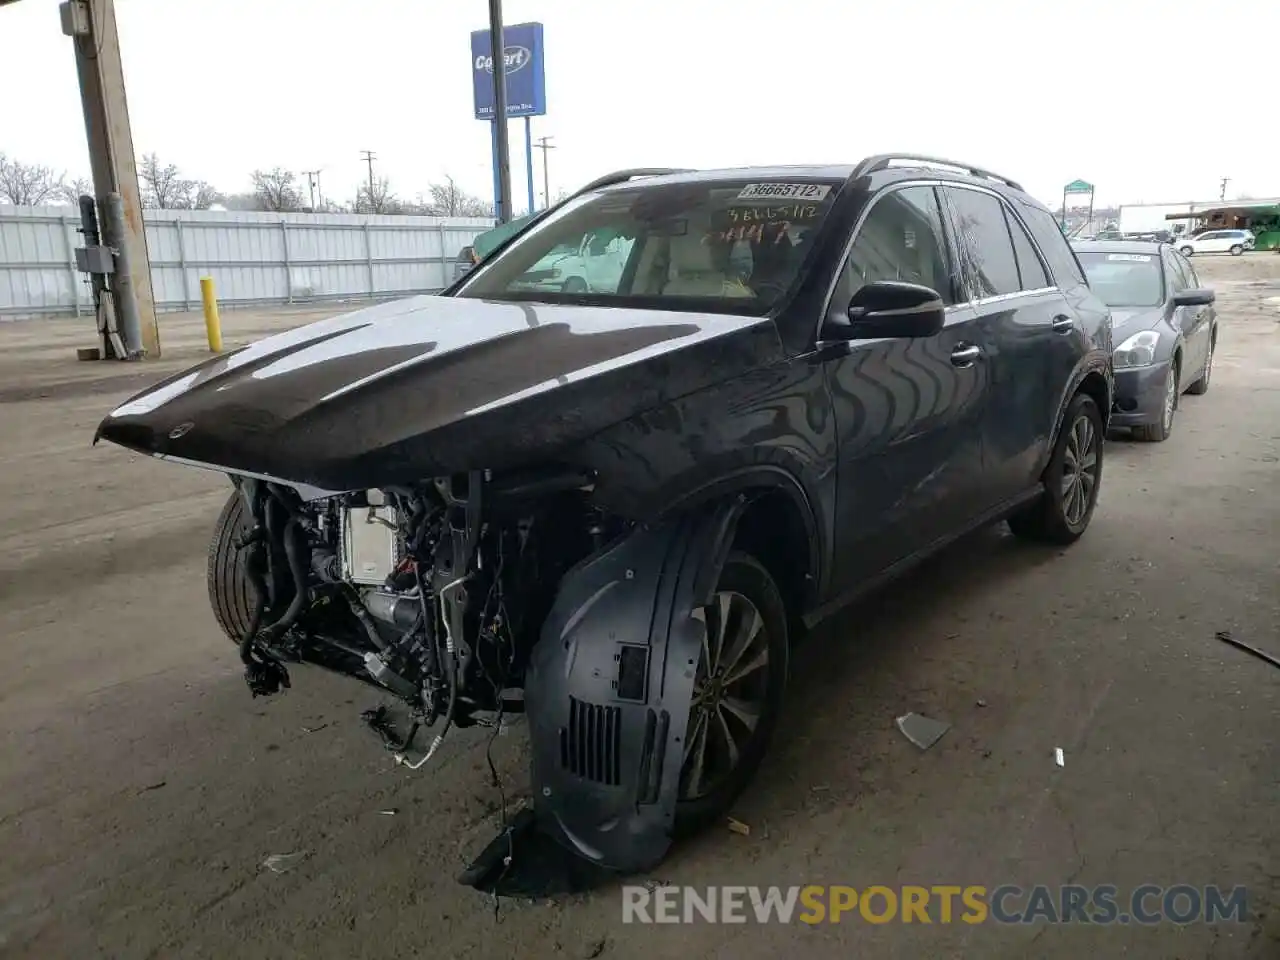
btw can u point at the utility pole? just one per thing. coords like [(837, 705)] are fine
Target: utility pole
[(368, 159), (92, 26), (1222, 194), (544, 144), (313, 185), (498, 52)]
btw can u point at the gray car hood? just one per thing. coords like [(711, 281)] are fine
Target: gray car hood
[(1126, 321)]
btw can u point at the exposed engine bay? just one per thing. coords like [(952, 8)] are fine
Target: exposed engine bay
[(470, 596), (434, 593)]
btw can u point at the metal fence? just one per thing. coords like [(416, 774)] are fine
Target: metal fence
[(254, 258)]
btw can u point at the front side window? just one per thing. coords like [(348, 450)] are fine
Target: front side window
[(986, 249), (1126, 280), (730, 246), (901, 238)]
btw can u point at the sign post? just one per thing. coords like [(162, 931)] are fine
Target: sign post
[(1075, 187), (523, 94)]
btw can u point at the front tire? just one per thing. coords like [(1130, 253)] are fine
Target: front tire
[(574, 285), (231, 595), (1201, 386), (1071, 480), (1186, 251), (738, 691), (1159, 431)]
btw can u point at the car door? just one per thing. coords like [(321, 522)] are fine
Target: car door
[(908, 412), (1212, 242), (1018, 314), (1192, 321)]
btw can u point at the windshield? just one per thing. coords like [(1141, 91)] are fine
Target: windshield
[(1125, 279), (730, 246)]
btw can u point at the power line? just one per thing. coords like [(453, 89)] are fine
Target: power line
[(544, 144)]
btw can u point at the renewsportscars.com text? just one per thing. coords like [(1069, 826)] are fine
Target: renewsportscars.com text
[(1006, 904)]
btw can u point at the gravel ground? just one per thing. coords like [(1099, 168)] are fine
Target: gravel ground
[(141, 789)]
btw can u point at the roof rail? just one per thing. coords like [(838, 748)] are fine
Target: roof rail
[(622, 176), (884, 160)]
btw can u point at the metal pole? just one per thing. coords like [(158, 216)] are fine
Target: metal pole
[(528, 158), (1064, 211), (126, 302), (92, 26), (497, 50), (493, 152)]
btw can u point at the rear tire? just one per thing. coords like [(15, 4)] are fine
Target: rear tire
[(1071, 481), (743, 578), (1237, 250), (231, 595)]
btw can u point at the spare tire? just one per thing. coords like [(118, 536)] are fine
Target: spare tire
[(231, 595)]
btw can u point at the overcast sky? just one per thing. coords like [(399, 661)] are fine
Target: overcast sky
[(1045, 92)]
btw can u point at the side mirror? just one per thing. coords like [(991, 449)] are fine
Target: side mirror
[(1198, 297), (891, 308)]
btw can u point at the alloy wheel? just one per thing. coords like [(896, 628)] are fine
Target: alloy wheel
[(1170, 399), (1079, 470), (728, 692)]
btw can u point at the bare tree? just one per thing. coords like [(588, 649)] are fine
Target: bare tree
[(450, 200), (203, 195), (380, 200), (27, 184), (277, 190), (70, 191), (163, 186)]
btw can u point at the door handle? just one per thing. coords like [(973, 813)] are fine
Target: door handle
[(965, 355), (1063, 324)]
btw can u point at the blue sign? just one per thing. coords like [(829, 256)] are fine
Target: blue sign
[(526, 81)]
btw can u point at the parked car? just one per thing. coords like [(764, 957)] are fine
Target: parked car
[(592, 263), (630, 502), (465, 260), (1166, 327), (1234, 242)]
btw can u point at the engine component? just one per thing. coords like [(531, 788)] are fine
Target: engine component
[(380, 671), (371, 549), (397, 609)]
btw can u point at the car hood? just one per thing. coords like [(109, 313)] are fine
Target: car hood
[(1126, 321), (431, 385)]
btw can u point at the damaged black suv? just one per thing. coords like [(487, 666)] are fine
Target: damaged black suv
[(609, 476)]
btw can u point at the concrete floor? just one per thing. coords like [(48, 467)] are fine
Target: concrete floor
[(141, 788)]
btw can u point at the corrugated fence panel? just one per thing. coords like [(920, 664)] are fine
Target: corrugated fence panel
[(254, 258)]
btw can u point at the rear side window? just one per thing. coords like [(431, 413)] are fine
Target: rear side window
[(1030, 269), (1054, 246), (986, 249)]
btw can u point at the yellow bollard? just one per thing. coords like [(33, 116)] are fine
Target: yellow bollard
[(212, 325)]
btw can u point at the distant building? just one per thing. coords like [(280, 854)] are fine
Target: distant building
[(1149, 217)]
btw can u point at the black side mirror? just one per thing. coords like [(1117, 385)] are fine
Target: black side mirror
[(891, 308), (1197, 297)]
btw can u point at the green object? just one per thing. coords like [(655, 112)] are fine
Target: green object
[(1078, 186), (490, 240)]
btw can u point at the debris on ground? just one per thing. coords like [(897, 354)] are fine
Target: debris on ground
[(981, 702), (737, 826), (153, 786), (653, 884), (1058, 757), (596, 949), (1226, 637), (923, 731), (389, 812), (284, 862), (314, 729)]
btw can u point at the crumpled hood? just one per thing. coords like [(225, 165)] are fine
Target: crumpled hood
[(431, 385)]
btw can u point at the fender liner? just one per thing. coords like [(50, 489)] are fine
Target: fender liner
[(610, 684)]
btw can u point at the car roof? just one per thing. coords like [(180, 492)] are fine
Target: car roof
[(1118, 246)]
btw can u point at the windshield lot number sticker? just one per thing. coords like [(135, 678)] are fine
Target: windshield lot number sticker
[(784, 191), (1130, 257)]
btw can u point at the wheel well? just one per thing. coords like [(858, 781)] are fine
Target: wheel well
[(1096, 387), (772, 529)]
